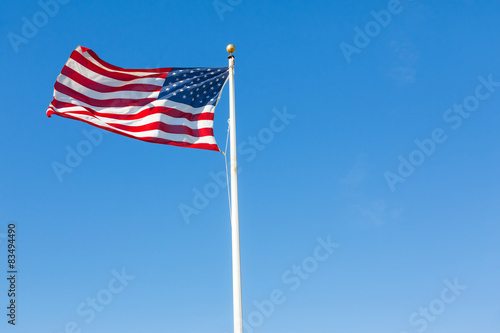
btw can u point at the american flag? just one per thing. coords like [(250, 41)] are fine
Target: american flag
[(172, 106)]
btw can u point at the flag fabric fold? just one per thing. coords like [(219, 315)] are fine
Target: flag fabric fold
[(173, 106)]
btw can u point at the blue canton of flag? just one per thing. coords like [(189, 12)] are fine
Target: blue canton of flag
[(195, 87)]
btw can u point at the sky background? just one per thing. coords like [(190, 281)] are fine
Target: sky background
[(353, 117)]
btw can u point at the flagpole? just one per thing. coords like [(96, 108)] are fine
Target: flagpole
[(235, 229)]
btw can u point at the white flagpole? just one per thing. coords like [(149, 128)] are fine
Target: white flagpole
[(235, 229)]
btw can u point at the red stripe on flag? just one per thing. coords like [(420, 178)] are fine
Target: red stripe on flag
[(174, 129), (174, 113), (99, 87), (105, 64), (114, 102), (205, 146), (79, 58)]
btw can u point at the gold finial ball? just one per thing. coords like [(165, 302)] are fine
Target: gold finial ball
[(230, 48)]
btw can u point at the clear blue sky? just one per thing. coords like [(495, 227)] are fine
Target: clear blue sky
[(386, 145)]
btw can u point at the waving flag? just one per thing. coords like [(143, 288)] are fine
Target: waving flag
[(172, 106)]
